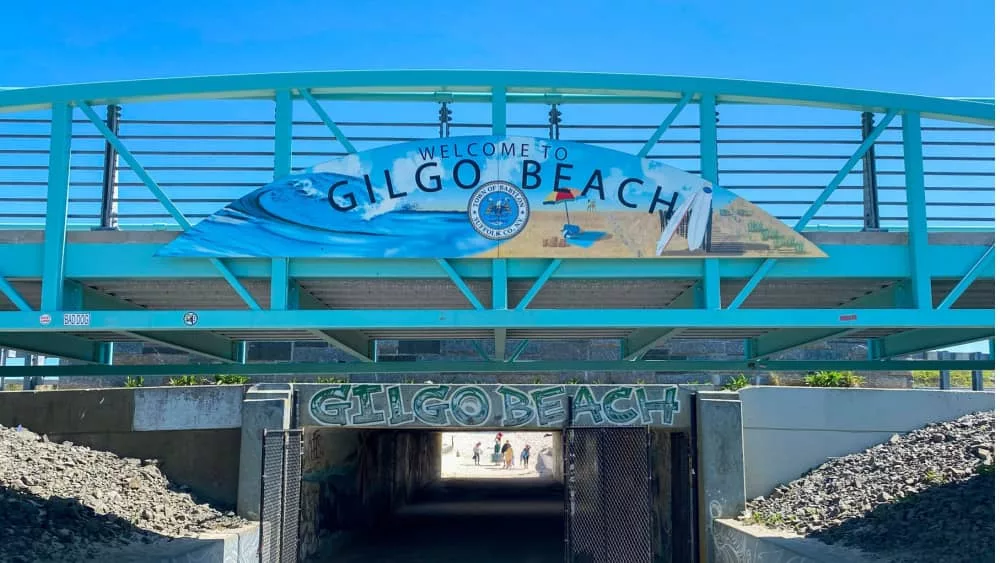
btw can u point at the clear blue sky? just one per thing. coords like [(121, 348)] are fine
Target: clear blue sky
[(915, 46), (919, 46)]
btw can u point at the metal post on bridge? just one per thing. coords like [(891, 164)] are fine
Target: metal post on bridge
[(109, 182), (944, 381), (977, 374), (870, 186)]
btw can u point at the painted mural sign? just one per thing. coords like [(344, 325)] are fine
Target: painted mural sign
[(501, 406), (491, 197)]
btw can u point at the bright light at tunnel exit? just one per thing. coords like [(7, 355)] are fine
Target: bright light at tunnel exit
[(532, 455)]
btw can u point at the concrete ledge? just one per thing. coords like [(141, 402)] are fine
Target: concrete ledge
[(738, 543), (233, 546)]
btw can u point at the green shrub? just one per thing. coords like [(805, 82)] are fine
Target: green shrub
[(133, 381), (185, 380), (736, 383), (833, 379), (331, 380), (232, 379)]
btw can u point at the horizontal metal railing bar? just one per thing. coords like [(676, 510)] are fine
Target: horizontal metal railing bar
[(266, 123), (589, 141), (836, 157)]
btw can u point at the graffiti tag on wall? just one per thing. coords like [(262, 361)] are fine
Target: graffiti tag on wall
[(494, 405)]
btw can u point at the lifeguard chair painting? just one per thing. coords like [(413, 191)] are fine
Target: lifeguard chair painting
[(491, 197)]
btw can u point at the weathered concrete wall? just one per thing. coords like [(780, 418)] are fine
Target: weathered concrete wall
[(188, 408), (192, 431), (491, 406), (736, 543), (205, 461), (105, 410), (788, 431), (353, 478), (721, 481)]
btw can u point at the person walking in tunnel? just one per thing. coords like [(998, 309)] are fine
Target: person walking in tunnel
[(525, 454), (496, 450), (477, 452), (508, 455)]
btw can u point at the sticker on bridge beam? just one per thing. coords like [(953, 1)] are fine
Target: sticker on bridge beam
[(492, 197), (492, 406)]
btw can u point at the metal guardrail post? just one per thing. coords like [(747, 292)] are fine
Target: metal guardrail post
[(109, 181), (870, 189)]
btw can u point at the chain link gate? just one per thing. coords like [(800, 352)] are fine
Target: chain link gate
[(280, 484), (608, 497)]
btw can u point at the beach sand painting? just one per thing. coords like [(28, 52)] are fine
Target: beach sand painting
[(490, 197)]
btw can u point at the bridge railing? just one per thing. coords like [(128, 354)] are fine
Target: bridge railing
[(775, 152)]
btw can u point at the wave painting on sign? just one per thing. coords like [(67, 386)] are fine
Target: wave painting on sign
[(491, 197)]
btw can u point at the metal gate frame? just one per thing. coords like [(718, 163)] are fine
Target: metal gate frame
[(570, 499), (280, 489)]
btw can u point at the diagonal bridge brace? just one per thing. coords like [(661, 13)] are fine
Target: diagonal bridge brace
[(768, 264), (351, 342), (83, 298), (325, 118), (162, 197), (783, 340), (638, 343)]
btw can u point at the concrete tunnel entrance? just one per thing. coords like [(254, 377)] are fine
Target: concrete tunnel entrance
[(377, 493)]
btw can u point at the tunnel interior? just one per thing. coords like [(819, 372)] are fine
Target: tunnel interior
[(418, 495)]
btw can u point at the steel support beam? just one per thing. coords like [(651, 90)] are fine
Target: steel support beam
[(81, 298), (923, 339), (539, 284), (58, 345), (967, 280), (637, 344), (373, 319), (162, 197), (351, 342), (500, 304), (783, 340), (661, 366), (56, 207), (667, 122), (916, 211), (330, 123), (518, 350), (499, 106), (768, 264), (12, 294), (460, 284)]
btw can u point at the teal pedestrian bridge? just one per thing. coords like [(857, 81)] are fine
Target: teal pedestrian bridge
[(895, 191)]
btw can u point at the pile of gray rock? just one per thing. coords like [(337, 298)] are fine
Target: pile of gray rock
[(63, 502), (924, 496)]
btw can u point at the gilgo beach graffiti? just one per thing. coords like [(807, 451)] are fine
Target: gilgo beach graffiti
[(491, 405)]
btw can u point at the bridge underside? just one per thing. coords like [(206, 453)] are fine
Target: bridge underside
[(646, 306)]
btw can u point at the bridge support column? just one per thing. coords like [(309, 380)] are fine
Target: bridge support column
[(720, 470), (265, 407)]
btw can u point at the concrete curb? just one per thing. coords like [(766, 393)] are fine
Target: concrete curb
[(229, 546), (735, 542)]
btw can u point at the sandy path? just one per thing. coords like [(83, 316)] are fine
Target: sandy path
[(456, 455)]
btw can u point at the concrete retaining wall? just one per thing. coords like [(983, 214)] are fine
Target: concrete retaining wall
[(193, 431), (788, 431), (235, 546), (736, 543)]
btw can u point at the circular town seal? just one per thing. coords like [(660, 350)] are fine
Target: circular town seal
[(190, 318), (498, 210)]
